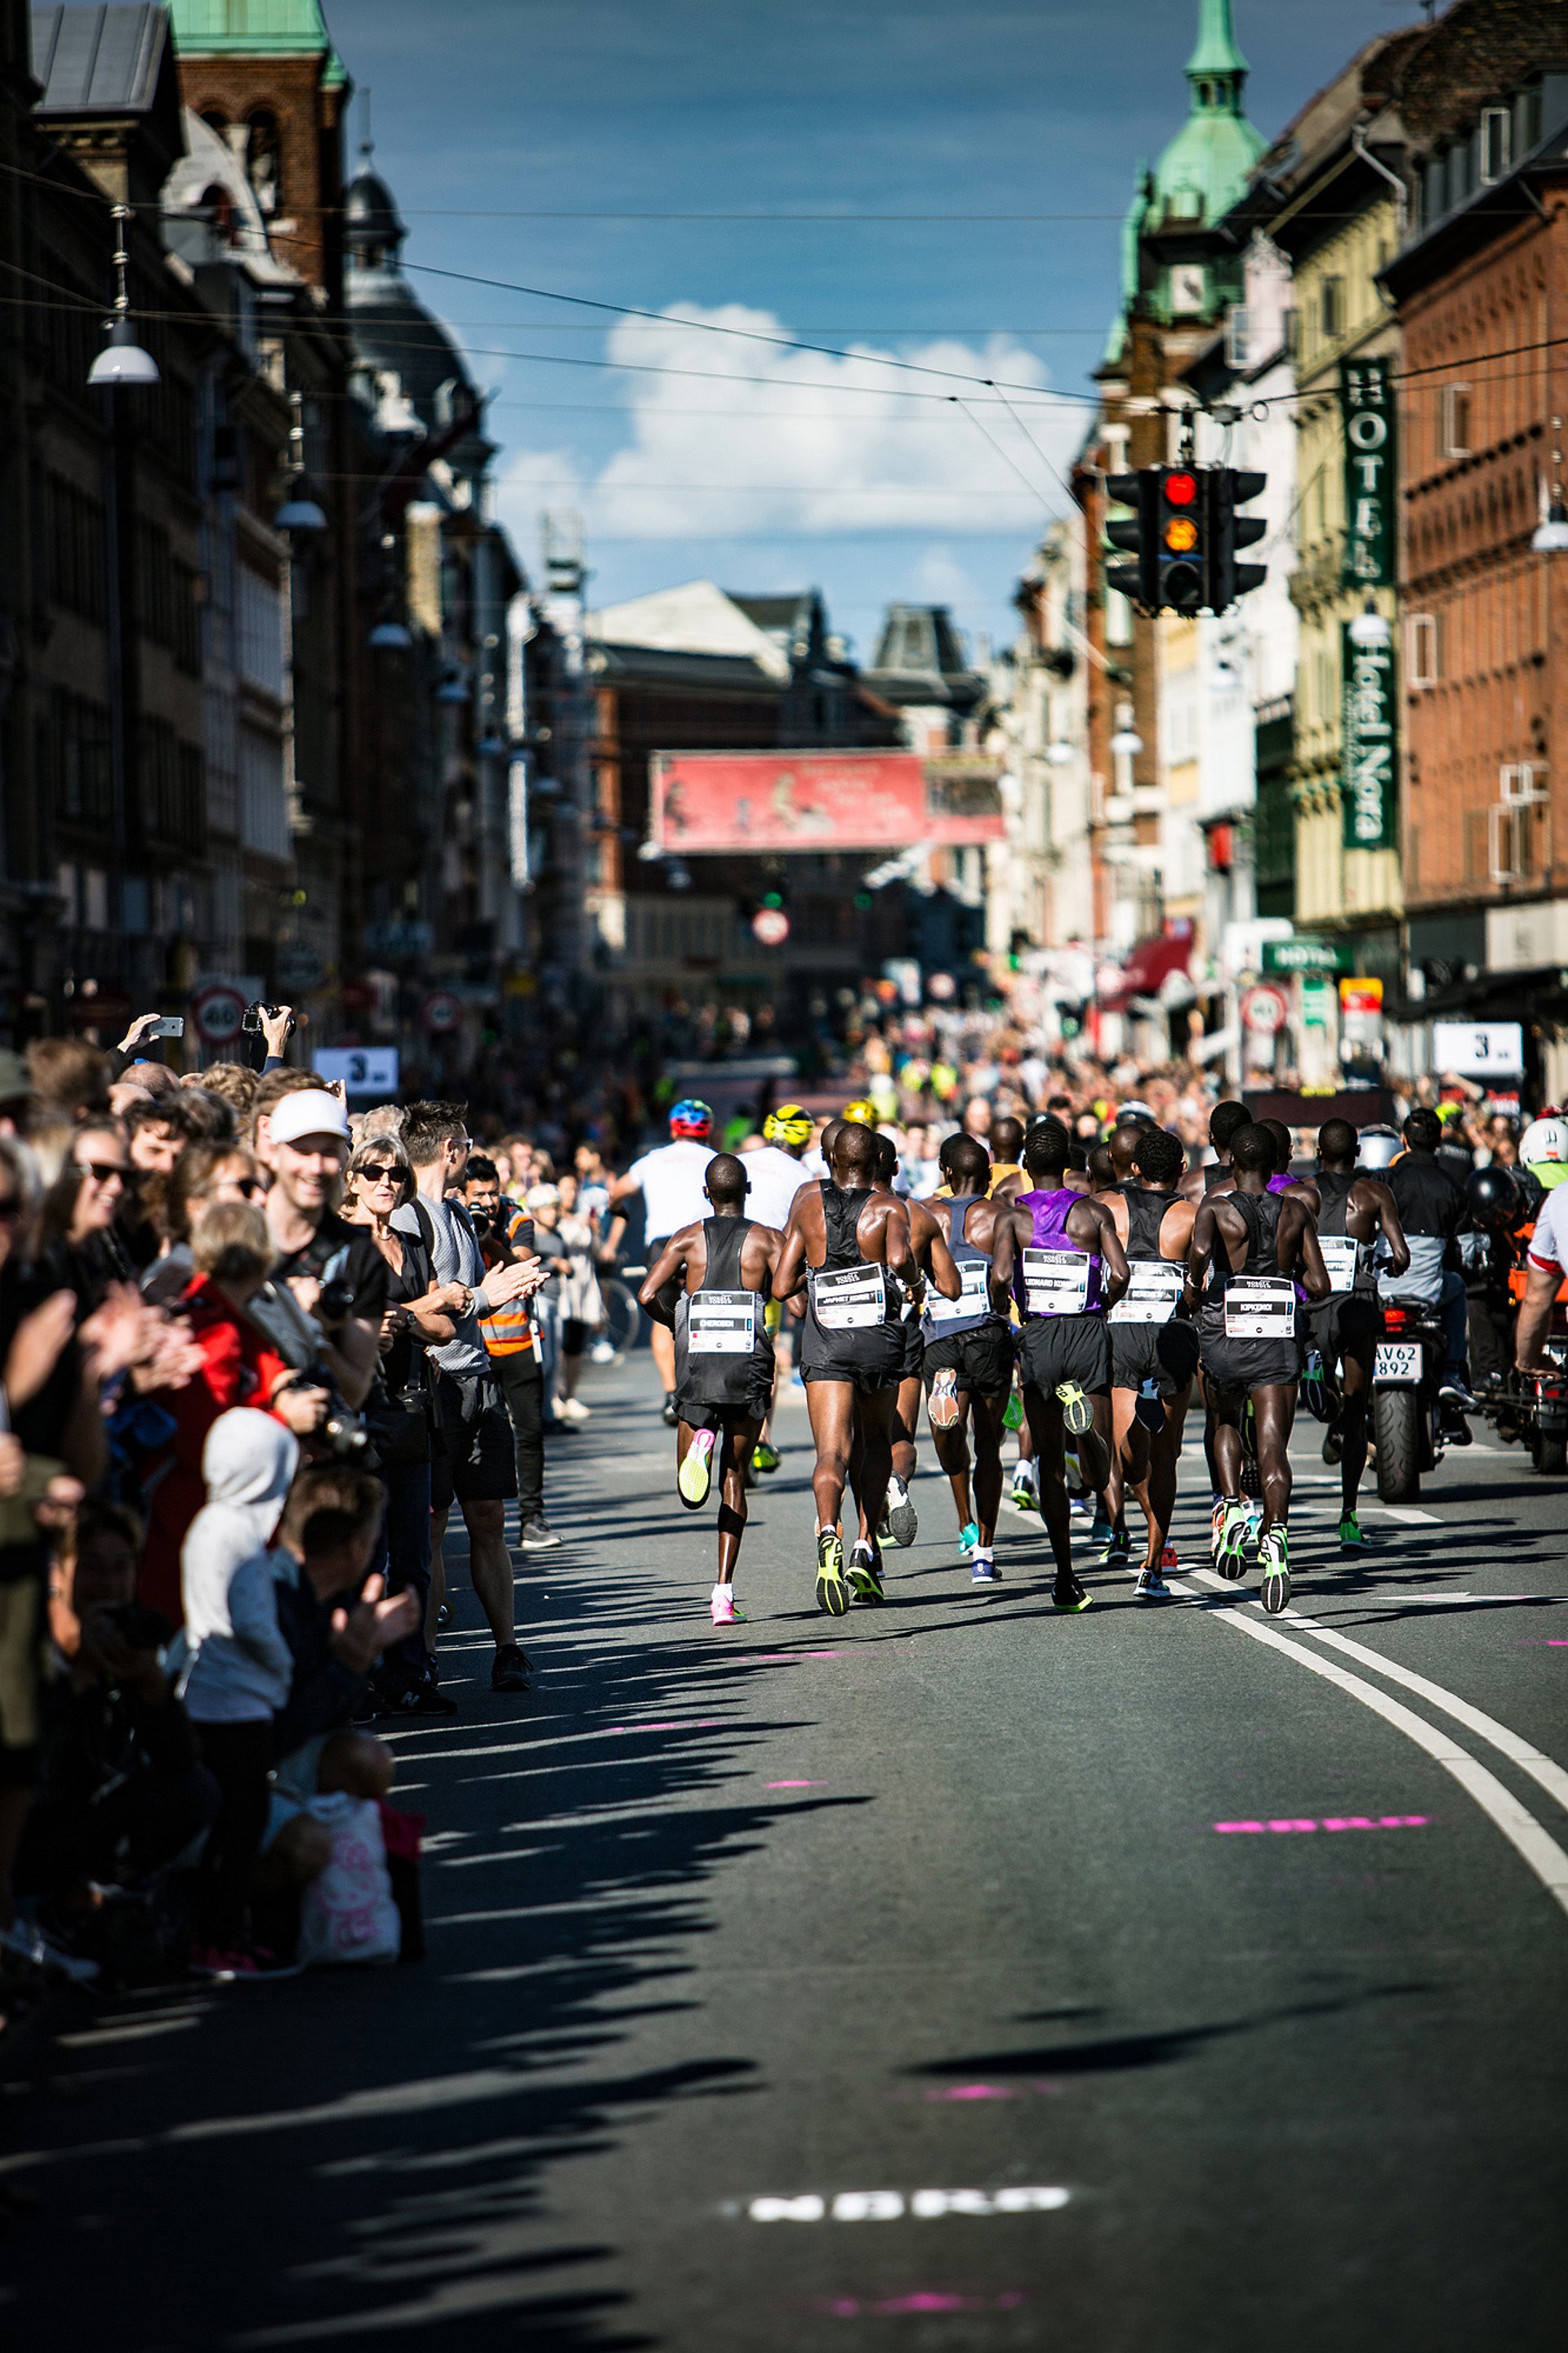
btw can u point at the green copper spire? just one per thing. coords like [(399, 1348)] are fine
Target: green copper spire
[(1203, 169), (1216, 52), (269, 28)]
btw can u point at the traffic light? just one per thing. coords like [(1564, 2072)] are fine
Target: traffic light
[(1225, 578), (1183, 539), (1137, 534)]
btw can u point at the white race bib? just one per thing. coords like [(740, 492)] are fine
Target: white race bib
[(1342, 1255), (1152, 1293), (974, 1299), (721, 1322), (849, 1298), (1260, 1307), (1056, 1283)]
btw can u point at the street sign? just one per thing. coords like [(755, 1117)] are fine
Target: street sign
[(1360, 994), (1264, 1010), (1478, 1049), (360, 1070), (217, 1012), (1302, 956), (771, 926), (443, 1013)]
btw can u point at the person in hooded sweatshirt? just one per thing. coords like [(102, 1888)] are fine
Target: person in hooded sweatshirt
[(242, 1664)]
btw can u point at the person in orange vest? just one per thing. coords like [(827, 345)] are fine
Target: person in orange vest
[(511, 1342)]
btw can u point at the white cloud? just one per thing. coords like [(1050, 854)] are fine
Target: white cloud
[(829, 445)]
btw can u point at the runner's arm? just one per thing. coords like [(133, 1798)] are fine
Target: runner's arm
[(670, 1261), (944, 1271), (789, 1275), (1299, 1236), (1112, 1256), (1003, 1258), (1535, 1316), (1200, 1252)]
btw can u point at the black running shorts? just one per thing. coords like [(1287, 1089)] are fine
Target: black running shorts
[(1238, 1367), (872, 1358), (983, 1360), (1164, 1352), (1056, 1348), (1346, 1326), (914, 1349)]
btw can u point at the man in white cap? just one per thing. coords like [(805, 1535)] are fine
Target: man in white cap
[(305, 1147)]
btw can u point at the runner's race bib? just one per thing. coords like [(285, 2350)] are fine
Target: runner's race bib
[(1056, 1283), (1259, 1307), (849, 1298), (974, 1299), (1152, 1293), (721, 1322), (1341, 1256)]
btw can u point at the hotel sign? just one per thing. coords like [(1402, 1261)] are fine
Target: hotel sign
[(1366, 406), (1367, 777)]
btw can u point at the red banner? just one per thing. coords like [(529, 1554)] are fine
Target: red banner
[(729, 801)]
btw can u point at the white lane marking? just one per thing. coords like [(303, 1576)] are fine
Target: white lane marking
[(1517, 1825), (1404, 1512), (891, 2205), (1549, 1776)]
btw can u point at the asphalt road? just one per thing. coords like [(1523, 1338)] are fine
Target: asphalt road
[(890, 1979)]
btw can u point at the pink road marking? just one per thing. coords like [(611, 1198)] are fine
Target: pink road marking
[(1335, 1823), (786, 1658), (974, 2091), (920, 2300), (794, 1785)]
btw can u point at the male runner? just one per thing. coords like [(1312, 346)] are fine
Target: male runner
[(670, 1182), (1282, 1181), (900, 1522), (1224, 1121), (1069, 1267), (709, 1286), (968, 1363), (775, 1175), (1355, 1208), (847, 1247), (1006, 1149), (1154, 1348), (1247, 1246)]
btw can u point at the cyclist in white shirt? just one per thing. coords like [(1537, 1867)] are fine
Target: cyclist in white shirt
[(670, 1182), (1546, 1257)]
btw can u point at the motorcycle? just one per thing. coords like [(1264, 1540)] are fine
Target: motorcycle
[(1406, 1411), (1537, 1403)]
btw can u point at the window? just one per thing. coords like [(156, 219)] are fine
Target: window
[(1331, 307), (1289, 331), (1497, 144), (1238, 336), (78, 551), (1421, 663), (1456, 420), (260, 631), (263, 161)]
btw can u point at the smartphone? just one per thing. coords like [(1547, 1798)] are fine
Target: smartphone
[(168, 1025)]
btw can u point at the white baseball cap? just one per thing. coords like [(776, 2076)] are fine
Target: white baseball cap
[(309, 1111)]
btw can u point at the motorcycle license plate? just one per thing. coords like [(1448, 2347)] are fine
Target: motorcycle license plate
[(849, 1299), (973, 1300), (722, 1323), (1397, 1360)]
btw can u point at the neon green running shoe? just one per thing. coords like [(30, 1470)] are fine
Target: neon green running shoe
[(1353, 1536), (695, 1476), (765, 1457), (832, 1593), (1274, 1560), (1078, 1415)]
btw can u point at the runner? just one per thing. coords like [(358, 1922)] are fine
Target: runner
[(1154, 1348), (670, 1182), (709, 1286), (1343, 1329), (1070, 1268), (1282, 1181), (774, 1176), (849, 1247), (1247, 1246), (1224, 1121), (968, 1363), (900, 1522)]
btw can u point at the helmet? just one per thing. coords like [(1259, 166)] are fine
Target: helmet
[(789, 1123), (862, 1111), (692, 1118), (1378, 1147), (1495, 1201), (1544, 1140)]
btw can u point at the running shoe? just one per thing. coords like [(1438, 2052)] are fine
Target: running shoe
[(1315, 1386), (1118, 1551), (695, 1476), (901, 1518), (1151, 1585), (670, 1411), (832, 1593), (1230, 1540), (983, 1570), (1069, 1596), (1012, 1413), (509, 1668), (538, 1535), (1077, 1413), (1021, 1493), (1353, 1537), (1102, 1532), (968, 1537), (942, 1404), (725, 1609), (1168, 1559), (865, 1573), (765, 1456), (1274, 1560)]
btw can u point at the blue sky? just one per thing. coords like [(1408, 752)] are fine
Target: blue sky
[(496, 121)]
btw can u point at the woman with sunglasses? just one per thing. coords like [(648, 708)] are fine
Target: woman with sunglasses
[(81, 1247), (379, 1182), (203, 1174)]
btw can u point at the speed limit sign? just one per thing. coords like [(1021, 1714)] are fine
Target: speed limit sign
[(443, 1012), (217, 1012), (1264, 1010)]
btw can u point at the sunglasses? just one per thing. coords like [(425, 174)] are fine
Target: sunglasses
[(245, 1186), (389, 1174), (101, 1170)]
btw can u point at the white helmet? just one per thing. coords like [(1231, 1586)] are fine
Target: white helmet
[(1544, 1140), (1378, 1147)]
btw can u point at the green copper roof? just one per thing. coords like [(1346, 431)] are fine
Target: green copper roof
[(271, 28), (1205, 168), (1216, 51)]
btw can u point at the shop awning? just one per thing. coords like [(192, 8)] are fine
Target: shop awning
[(1148, 966)]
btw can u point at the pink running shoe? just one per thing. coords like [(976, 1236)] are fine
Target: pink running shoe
[(725, 1612)]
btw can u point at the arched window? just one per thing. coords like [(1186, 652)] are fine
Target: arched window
[(264, 160), (218, 205), (215, 118)]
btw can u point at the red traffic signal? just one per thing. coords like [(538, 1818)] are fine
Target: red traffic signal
[(1181, 489)]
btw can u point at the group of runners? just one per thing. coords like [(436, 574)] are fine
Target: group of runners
[(1083, 1306)]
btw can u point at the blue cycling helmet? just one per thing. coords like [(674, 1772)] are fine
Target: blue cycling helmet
[(692, 1118)]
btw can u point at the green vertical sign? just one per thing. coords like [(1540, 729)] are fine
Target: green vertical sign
[(1367, 769), (1366, 410)]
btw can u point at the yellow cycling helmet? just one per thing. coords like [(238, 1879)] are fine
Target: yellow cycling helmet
[(863, 1112), (790, 1123)]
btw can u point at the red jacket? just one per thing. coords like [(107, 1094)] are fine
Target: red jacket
[(240, 1368)]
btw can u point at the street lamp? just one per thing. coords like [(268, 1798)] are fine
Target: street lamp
[(389, 638), (1126, 743), (298, 511), (1059, 753), (122, 360), (1369, 629), (1551, 531)]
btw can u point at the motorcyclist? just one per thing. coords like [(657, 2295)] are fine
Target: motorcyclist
[(1432, 1209)]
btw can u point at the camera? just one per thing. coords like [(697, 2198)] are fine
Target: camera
[(335, 1301), (253, 1017)]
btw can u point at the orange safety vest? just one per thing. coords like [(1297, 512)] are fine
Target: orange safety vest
[(509, 1331)]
